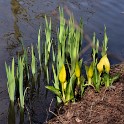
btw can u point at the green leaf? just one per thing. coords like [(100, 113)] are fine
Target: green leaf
[(33, 62), (82, 79), (56, 82), (105, 42), (70, 88), (39, 45), (20, 72), (96, 79), (114, 78), (10, 80), (48, 40), (53, 55), (55, 91)]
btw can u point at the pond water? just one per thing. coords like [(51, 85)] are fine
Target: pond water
[(22, 18)]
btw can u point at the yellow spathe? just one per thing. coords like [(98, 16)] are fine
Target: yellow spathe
[(104, 61), (62, 74), (77, 70), (90, 71)]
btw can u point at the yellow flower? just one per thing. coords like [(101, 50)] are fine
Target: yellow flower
[(100, 67), (77, 70), (62, 74), (104, 62), (90, 71)]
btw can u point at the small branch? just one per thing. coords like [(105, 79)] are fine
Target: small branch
[(59, 118), (50, 110)]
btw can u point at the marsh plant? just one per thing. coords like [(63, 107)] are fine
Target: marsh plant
[(66, 62), (47, 47), (68, 79), (21, 90), (69, 83), (11, 80), (17, 84), (39, 46), (99, 69), (11, 90)]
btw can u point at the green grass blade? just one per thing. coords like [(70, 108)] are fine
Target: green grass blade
[(20, 71), (55, 91), (39, 45), (11, 80), (33, 62)]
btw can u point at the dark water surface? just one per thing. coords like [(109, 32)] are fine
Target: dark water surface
[(21, 18)]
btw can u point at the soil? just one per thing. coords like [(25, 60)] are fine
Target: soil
[(105, 107)]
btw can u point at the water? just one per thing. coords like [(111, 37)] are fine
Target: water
[(22, 19)]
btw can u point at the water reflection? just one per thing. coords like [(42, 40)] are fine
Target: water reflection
[(11, 113), (16, 9)]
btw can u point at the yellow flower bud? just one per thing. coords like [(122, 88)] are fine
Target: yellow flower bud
[(62, 74), (100, 67), (90, 71), (77, 70), (104, 61)]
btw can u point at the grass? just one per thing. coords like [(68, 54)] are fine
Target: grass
[(11, 80), (65, 60)]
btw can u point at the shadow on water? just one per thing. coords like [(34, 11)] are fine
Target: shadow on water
[(16, 9), (11, 113)]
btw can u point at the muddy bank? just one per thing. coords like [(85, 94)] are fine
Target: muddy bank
[(105, 107)]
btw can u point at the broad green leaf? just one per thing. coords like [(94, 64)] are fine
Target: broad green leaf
[(55, 91)]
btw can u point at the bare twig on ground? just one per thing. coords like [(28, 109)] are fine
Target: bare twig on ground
[(59, 118), (46, 121)]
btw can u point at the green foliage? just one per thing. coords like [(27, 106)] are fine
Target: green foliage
[(105, 42), (11, 80), (39, 46), (33, 62), (48, 40), (69, 46), (20, 76), (66, 64), (100, 68), (47, 47), (55, 91), (69, 43)]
